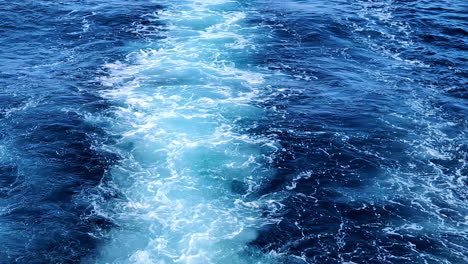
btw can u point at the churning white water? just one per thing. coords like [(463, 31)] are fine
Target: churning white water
[(188, 166)]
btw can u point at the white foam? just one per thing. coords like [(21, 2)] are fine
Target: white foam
[(178, 103)]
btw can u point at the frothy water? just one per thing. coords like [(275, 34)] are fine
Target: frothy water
[(231, 131), (187, 165)]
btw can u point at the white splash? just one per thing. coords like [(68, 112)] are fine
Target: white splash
[(187, 166)]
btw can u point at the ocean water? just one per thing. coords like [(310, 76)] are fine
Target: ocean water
[(233, 131)]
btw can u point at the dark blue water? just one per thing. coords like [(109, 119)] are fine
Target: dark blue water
[(49, 163), (373, 167), (263, 131)]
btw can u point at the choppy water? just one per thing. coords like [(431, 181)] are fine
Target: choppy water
[(233, 131)]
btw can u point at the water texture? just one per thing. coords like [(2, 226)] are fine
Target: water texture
[(233, 131)]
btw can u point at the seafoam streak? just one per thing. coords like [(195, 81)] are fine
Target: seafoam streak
[(187, 167)]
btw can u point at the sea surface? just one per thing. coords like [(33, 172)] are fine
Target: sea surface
[(233, 131)]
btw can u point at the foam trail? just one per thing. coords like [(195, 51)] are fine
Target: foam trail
[(188, 167)]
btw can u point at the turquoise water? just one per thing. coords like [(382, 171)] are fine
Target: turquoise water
[(187, 166)]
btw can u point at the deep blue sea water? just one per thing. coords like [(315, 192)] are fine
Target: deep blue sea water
[(233, 131)]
